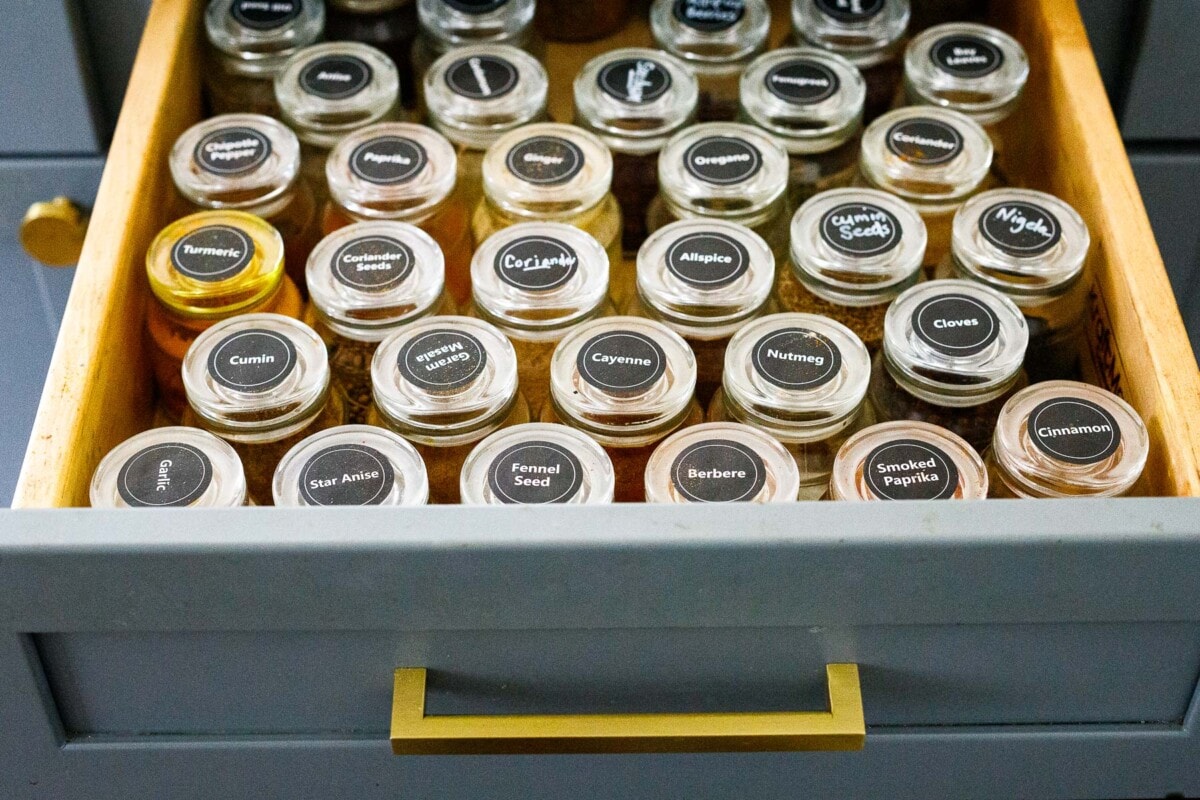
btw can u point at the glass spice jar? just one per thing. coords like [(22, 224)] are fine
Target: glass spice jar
[(248, 43), (717, 39), (721, 462), (535, 281), (351, 465), (450, 24), (1067, 439), (172, 467), (952, 355), (907, 461), (811, 101), (537, 464), (202, 269), (853, 252), (369, 280), (635, 99), (261, 382), (445, 383), (628, 383), (581, 20), (390, 26), (801, 378)]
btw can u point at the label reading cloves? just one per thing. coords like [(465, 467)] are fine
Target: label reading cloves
[(722, 160), (1074, 430), (708, 260), (1020, 229), (213, 253), (924, 141), (232, 151), (347, 475), (621, 362), (254, 361), (796, 359), (545, 160), (388, 160), (955, 325), (535, 473), (966, 56), (165, 475), (482, 77), (442, 360), (335, 77), (373, 263), (860, 229), (709, 16), (802, 82), (909, 469), (536, 263), (718, 471)]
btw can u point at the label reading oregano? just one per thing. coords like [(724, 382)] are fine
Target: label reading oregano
[(802, 82), (535, 473), (545, 160), (232, 151), (536, 263), (442, 360), (1020, 229), (255, 360), (709, 16), (482, 77), (1074, 430), (707, 260), (165, 475), (373, 263), (347, 475), (388, 160), (924, 141), (955, 324), (850, 10), (796, 359), (213, 253), (966, 56), (621, 362), (265, 15), (860, 229), (335, 77), (718, 471), (722, 160), (909, 469)]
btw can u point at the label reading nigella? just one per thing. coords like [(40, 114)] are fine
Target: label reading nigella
[(265, 15), (802, 81), (718, 471), (850, 10), (798, 359), (966, 56), (708, 260), (167, 474), (481, 77), (621, 362), (924, 141), (347, 475), (335, 77), (373, 263), (475, 6), (213, 253), (955, 324), (255, 360), (442, 360), (535, 473), (1019, 228), (723, 160), (634, 80), (388, 160), (1074, 430), (536, 263), (860, 229), (545, 160), (909, 469), (232, 151), (709, 16)]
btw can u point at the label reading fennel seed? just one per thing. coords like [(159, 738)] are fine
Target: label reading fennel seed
[(850, 10), (966, 56), (265, 15), (718, 471), (709, 16), (255, 360), (545, 160), (955, 324), (621, 362), (213, 253), (482, 77), (708, 260), (1074, 430), (335, 77), (442, 360), (164, 475), (388, 160), (908, 469), (232, 151), (347, 475), (373, 263), (634, 80), (924, 141), (1020, 229), (860, 229), (536, 263), (797, 359), (802, 82), (722, 160), (535, 473)]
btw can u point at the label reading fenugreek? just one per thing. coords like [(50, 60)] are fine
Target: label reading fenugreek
[(536, 263), (347, 475), (718, 471), (335, 77), (545, 160), (442, 360), (1019, 228), (482, 77), (373, 263), (164, 475), (924, 141), (796, 359), (1074, 430), (909, 469), (254, 361), (232, 151), (802, 81), (213, 253), (535, 473), (709, 16), (956, 325), (388, 160), (860, 229), (722, 160), (634, 80), (966, 56), (621, 362), (708, 260)]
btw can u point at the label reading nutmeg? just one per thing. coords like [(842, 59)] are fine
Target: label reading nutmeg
[(545, 160), (797, 359), (707, 260), (213, 253), (709, 16), (908, 469), (265, 15), (165, 475), (335, 77), (347, 475), (535, 473), (373, 263), (388, 160), (722, 160), (482, 77), (232, 151), (802, 82), (536, 263), (621, 362), (1020, 229), (634, 80), (924, 141), (955, 324), (850, 10), (475, 6), (966, 56), (1074, 430), (442, 360), (860, 229), (718, 471), (254, 361)]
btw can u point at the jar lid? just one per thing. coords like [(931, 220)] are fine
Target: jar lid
[(721, 462), (1069, 439), (455, 23), (954, 342), (351, 465), (478, 92), (327, 90), (926, 153), (392, 170), (907, 461), (537, 464), (215, 263), (800, 377), (722, 169), (704, 278), (261, 35), (634, 98), (710, 31), (547, 169), (971, 68), (366, 279), (857, 247), (368, 6), (170, 468), (536, 277), (235, 161), (865, 32), (811, 99)]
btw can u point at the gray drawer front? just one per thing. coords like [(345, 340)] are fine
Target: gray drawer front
[(1164, 84)]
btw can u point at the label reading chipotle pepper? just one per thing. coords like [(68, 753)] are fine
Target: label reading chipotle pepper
[(170, 474), (535, 473), (232, 151)]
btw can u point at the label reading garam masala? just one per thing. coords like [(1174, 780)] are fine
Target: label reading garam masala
[(442, 360)]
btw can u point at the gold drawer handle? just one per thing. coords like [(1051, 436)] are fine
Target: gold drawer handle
[(52, 232), (840, 728)]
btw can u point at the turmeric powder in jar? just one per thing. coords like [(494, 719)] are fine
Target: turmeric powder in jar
[(907, 461), (351, 465), (721, 462), (537, 464), (172, 467)]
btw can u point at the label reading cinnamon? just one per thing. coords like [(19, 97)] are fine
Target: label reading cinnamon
[(634, 80), (860, 229), (442, 360), (1019, 228), (347, 475), (802, 82), (335, 77), (171, 474), (722, 160), (621, 362), (909, 469), (708, 260), (253, 361), (482, 77), (535, 473), (797, 359), (924, 141), (718, 471), (545, 160), (1074, 430), (955, 325), (232, 151), (966, 56), (388, 160), (213, 253), (373, 263), (536, 263)]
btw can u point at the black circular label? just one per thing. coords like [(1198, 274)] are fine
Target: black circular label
[(335, 77), (955, 324), (708, 260), (860, 229), (796, 359), (265, 15), (1019, 228), (482, 77), (621, 362), (347, 475), (254, 360), (475, 6), (373, 263), (213, 253), (388, 160), (545, 160), (161, 475), (966, 56), (723, 160), (232, 151), (908, 469), (802, 82), (1074, 430), (634, 80), (535, 473), (718, 471), (536, 263), (442, 360), (850, 10), (924, 141), (709, 16)]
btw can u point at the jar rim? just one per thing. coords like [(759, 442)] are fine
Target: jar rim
[(220, 484), (392, 171), (894, 154), (368, 445), (596, 481), (710, 45), (731, 448), (476, 122), (844, 483), (236, 161), (992, 91), (635, 124), (804, 119), (865, 42)]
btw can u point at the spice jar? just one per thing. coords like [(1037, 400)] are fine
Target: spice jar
[(952, 354), (251, 163), (261, 382), (581, 20), (402, 172), (933, 158), (721, 462), (445, 383), (1067, 439), (248, 43), (868, 33), (853, 252), (907, 461), (369, 280), (717, 39), (802, 379), (450, 24), (387, 25), (169, 468), (537, 464), (535, 281), (628, 383), (811, 101), (351, 465), (1031, 247), (704, 279), (202, 269)]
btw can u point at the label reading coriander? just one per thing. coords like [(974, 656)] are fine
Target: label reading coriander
[(798, 359), (955, 324), (373, 263), (908, 469), (162, 475), (535, 473), (347, 475), (232, 151), (621, 362), (545, 160), (966, 56), (860, 229), (481, 77), (718, 471), (708, 260), (265, 15), (335, 77), (923, 141), (802, 82), (388, 160), (442, 360), (722, 160), (1019, 228), (213, 253), (634, 80), (709, 16), (256, 360), (850, 10), (1074, 430), (536, 263), (475, 6)]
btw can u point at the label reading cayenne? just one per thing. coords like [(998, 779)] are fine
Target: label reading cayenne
[(966, 56), (860, 229), (442, 360), (1074, 430), (634, 80), (621, 362), (722, 160), (536, 263), (1020, 229), (265, 15), (254, 361), (335, 77), (164, 475), (797, 359), (708, 260), (373, 263), (482, 77), (709, 16), (955, 324), (388, 160), (718, 471), (850, 10), (802, 82), (213, 253), (347, 475), (908, 469), (924, 141), (545, 160), (535, 473), (232, 151)]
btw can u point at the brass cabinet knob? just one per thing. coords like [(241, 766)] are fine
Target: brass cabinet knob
[(53, 232)]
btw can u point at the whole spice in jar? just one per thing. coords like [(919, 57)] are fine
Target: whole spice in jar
[(537, 464), (351, 465), (450, 24), (907, 461), (721, 462), (387, 25), (170, 467)]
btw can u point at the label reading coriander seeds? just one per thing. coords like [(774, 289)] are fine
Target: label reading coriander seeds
[(347, 475), (535, 473), (908, 469), (1074, 430), (955, 324), (256, 360), (722, 160), (265, 15), (442, 360), (1019, 228), (335, 77), (481, 77), (162, 475), (536, 263), (475, 6), (388, 160), (966, 56), (232, 151), (923, 141), (709, 16), (373, 263), (213, 253), (718, 471), (634, 80), (621, 362), (850, 10), (802, 82), (545, 160), (860, 229), (708, 260), (798, 359)]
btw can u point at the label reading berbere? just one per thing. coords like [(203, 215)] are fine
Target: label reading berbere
[(482, 77), (1074, 430), (255, 360), (475, 6), (722, 160), (388, 160), (347, 475), (797, 359), (213, 253), (966, 56), (718, 471), (163, 475), (535, 473), (923, 141), (802, 82), (335, 77), (634, 80), (442, 360), (909, 469), (265, 15), (621, 362), (373, 263), (536, 263), (1019, 228), (850, 10), (232, 151), (709, 16), (955, 324), (708, 260), (860, 229), (545, 160)]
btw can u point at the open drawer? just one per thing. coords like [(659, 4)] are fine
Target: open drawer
[(1005, 649)]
